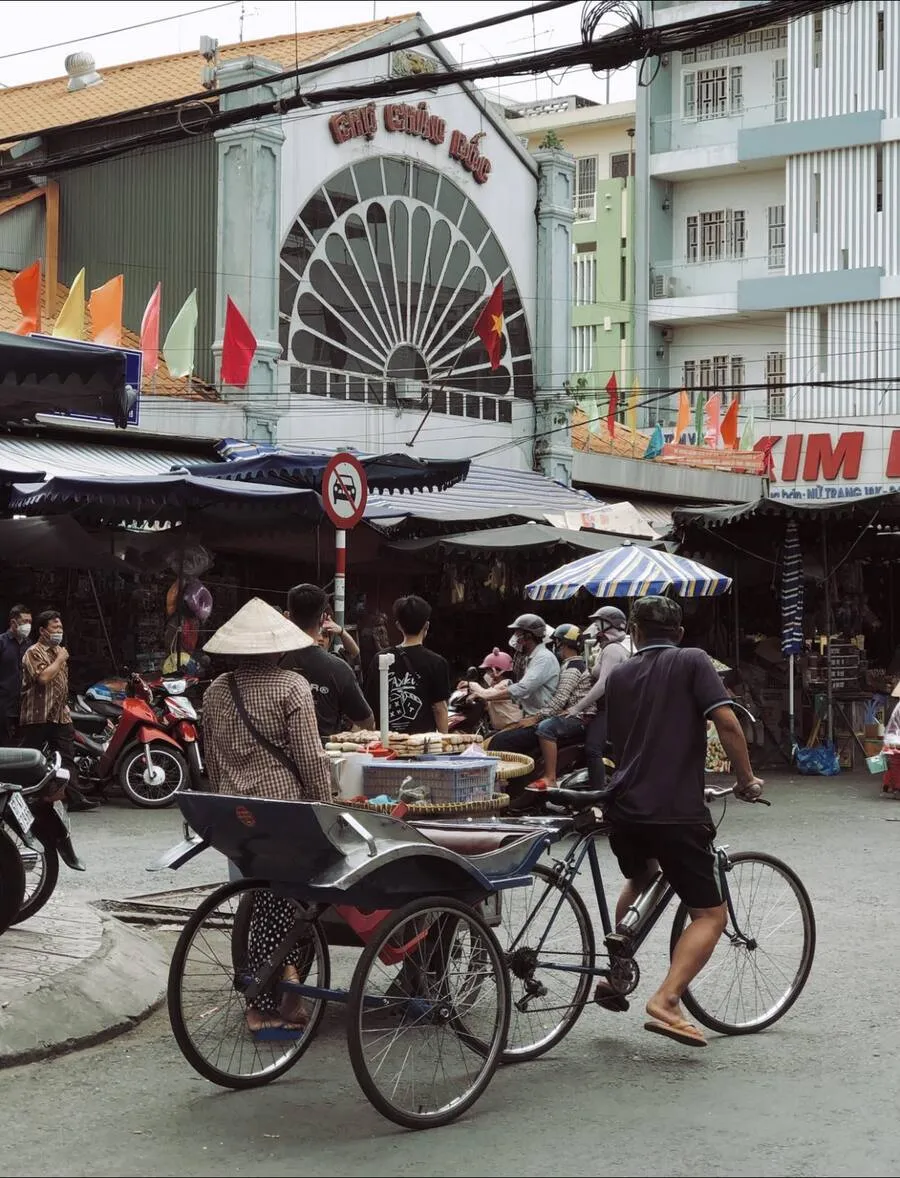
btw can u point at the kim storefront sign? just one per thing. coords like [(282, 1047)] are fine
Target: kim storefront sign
[(361, 122), (819, 462)]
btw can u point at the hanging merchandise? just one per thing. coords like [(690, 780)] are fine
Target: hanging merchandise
[(188, 606)]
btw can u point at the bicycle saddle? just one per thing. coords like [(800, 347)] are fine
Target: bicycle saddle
[(577, 800)]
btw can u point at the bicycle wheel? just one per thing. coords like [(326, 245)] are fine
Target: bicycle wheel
[(752, 980), (411, 1024), (543, 924), (210, 970)]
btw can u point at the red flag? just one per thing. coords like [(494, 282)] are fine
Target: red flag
[(490, 325), (612, 390), (730, 425), (27, 289), (238, 347), (150, 332)]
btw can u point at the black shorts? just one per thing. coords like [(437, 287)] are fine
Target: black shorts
[(684, 852)]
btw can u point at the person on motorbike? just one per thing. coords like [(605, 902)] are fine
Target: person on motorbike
[(558, 723), (497, 667), (611, 628)]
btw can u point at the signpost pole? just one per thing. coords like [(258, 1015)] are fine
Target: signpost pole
[(340, 575)]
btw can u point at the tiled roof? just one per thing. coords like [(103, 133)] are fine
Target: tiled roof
[(127, 87), (166, 386)]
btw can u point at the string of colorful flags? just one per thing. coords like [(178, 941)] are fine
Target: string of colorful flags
[(712, 429), (105, 305)]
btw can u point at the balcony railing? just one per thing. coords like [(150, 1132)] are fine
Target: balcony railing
[(676, 280), (586, 207), (344, 386), (674, 133)]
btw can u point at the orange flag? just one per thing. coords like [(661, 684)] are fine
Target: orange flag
[(150, 332), (712, 431), (490, 325), (683, 421), (105, 305), (730, 425), (27, 290)]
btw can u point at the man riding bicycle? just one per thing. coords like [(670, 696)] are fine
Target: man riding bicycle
[(659, 702)]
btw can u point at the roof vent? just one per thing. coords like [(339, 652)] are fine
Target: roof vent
[(81, 71)]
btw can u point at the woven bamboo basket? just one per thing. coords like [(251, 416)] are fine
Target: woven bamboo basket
[(512, 765), (490, 805)]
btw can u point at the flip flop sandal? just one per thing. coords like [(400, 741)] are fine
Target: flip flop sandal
[(681, 1031), (275, 1033)]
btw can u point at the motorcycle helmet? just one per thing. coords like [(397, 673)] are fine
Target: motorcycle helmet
[(567, 633), (497, 660), (609, 617), (530, 624)]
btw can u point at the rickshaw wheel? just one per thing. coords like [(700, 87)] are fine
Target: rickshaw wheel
[(426, 1032), (209, 972)]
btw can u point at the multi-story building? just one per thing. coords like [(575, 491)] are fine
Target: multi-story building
[(601, 138), (767, 239)]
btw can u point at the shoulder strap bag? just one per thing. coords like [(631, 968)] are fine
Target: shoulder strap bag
[(279, 754)]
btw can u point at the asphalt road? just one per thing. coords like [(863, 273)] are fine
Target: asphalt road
[(814, 1095)]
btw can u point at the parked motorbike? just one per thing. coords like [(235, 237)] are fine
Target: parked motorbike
[(35, 823), (138, 752)]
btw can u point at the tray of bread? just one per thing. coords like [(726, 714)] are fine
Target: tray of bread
[(403, 744)]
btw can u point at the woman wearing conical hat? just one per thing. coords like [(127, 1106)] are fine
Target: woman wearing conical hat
[(261, 740)]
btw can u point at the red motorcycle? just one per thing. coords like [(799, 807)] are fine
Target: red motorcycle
[(146, 760)]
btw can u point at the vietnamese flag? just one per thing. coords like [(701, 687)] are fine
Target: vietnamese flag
[(612, 391), (730, 425), (489, 326), (238, 347), (150, 332), (27, 290)]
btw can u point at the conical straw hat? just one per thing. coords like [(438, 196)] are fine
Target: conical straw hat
[(257, 628)]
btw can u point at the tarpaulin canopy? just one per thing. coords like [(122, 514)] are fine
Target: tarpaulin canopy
[(165, 498), (385, 473), (58, 376), (54, 542), (720, 515), (629, 571), (8, 477), (528, 535)]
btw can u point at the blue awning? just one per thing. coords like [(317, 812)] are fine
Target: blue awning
[(255, 461)]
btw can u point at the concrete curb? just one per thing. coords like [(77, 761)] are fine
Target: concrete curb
[(99, 997)]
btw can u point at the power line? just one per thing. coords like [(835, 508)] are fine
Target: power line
[(144, 24)]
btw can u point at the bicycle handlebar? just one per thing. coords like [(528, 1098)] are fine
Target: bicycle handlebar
[(711, 793)]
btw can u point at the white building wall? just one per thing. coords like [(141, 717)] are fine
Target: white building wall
[(751, 341), (847, 78)]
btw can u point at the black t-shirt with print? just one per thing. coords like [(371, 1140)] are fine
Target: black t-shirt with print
[(336, 693), (418, 679), (657, 705)]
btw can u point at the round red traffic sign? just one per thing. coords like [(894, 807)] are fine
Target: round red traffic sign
[(344, 490)]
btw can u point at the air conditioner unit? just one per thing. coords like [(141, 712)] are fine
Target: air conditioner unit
[(658, 286)]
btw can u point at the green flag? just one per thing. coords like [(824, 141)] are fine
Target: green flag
[(178, 349), (698, 419), (747, 438)]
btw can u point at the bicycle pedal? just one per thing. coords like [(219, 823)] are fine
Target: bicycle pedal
[(618, 945)]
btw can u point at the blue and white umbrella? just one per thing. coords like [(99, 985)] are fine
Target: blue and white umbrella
[(629, 571), (791, 593)]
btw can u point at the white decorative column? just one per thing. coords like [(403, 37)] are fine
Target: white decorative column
[(553, 318), (247, 242)]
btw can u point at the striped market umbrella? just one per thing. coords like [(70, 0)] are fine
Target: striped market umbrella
[(629, 571), (791, 593)]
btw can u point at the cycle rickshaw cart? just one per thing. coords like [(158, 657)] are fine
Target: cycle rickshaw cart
[(429, 1001)]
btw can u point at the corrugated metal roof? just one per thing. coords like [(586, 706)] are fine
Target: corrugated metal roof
[(87, 459), (488, 492)]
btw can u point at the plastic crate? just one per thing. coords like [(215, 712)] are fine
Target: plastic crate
[(449, 779)]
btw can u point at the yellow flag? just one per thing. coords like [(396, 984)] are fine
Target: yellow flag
[(631, 412), (683, 422), (178, 348), (70, 322), (105, 306)]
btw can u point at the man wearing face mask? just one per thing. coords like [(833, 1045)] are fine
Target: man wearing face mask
[(534, 690), (44, 715), (615, 647), (12, 647)]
